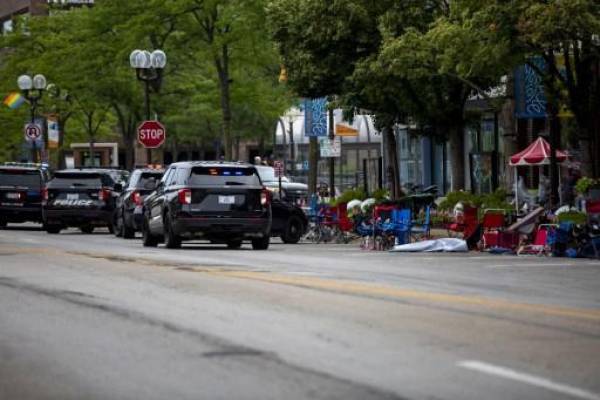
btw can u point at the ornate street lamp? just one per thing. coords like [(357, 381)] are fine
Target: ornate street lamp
[(33, 90), (149, 69)]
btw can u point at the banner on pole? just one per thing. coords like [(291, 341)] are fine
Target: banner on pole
[(315, 117), (53, 132)]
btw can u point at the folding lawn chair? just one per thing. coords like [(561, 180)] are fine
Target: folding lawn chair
[(541, 242), (422, 231)]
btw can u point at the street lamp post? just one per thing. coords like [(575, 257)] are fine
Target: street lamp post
[(32, 89), (149, 69)]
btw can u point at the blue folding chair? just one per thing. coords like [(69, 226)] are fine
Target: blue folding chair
[(422, 230), (399, 226)]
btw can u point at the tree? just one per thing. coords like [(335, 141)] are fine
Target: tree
[(321, 43), (498, 36), (103, 90)]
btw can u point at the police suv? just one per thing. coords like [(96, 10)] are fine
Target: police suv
[(21, 186), (83, 198)]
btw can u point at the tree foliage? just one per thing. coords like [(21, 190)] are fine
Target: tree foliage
[(85, 52)]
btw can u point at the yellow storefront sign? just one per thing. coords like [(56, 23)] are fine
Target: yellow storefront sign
[(344, 130)]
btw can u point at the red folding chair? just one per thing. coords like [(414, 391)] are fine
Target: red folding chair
[(540, 243)]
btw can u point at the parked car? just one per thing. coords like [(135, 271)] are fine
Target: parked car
[(129, 214), (83, 198), (21, 186), (289, 220), (291, 192), (223, 202)]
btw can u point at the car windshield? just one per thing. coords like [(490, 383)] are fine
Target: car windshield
[(75, 179), (24, 178), (223, 176), (267, 174)]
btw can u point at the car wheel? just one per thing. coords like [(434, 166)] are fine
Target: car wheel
[(87, 229), (234, 244), (128, 231), (293, 230), (53, 229), (148, 239), (262, 243), (172, 241)]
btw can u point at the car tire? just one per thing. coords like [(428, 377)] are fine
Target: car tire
[(172, 241), (148, 240), (293, 230), (87, 229), (234, 244), (53, 229), (128, 232), (262, 243)]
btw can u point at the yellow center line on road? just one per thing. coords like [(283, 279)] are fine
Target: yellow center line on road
[(332, 285), (375, 290)]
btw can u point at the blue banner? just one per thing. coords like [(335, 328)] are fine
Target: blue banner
[(315, 117), (530, 99)]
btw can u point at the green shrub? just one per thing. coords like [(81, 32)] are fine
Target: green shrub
[(348, 195), (455, 197), (496, 199), (380, 195), (584, 183)]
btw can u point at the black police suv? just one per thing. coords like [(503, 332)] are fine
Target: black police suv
[(130, 204), (21, 187), (223, 202), (83, 198)]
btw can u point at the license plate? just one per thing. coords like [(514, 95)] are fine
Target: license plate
[(226, 199), (13, 196), (72, 196)]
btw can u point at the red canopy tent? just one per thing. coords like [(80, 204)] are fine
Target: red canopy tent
[(537, 153)]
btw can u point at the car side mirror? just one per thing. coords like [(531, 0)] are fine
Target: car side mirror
[(118, 187)]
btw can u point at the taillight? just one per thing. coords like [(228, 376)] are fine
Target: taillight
[(45, 194), (136, 198), (265, 197), (104, 194), (22, 196), (185, 196)]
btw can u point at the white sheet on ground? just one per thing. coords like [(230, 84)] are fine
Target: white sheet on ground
[(445, 244)]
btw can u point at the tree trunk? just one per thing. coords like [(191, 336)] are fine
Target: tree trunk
[(457, 157), (393, 169), (222, 64)]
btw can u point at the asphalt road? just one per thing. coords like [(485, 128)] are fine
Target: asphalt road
[(96, 317)]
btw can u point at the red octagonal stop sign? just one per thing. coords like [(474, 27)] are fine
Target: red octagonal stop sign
[(151, 134)]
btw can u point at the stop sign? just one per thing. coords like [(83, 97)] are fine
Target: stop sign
[(151, 134)]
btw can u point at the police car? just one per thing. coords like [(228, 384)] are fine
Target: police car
[(21, 186), (82, 198)]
